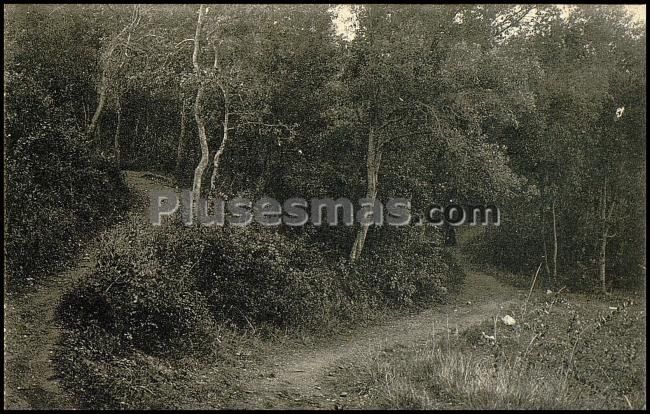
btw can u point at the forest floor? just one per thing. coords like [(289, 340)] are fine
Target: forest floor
[(319, 373)]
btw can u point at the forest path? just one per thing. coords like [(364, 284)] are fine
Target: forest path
[(32, 333), (310, 377), (298, 376)]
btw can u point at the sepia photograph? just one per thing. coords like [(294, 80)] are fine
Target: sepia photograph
[(324, 206)]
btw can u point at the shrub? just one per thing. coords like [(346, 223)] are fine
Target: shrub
[(410, 270), (166, 292), (164, 288), (252, 274), (134, 297), (56, 194), (103, 375)]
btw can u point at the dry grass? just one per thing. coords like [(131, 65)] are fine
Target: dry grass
[(563, 354), (424, 378)]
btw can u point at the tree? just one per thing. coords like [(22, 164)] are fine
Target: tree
[(567, 146), (198, 108), (407, 86), (112, 61)]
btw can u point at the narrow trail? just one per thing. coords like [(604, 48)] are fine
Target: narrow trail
[(309, 378), (32, 333), (300, 376)]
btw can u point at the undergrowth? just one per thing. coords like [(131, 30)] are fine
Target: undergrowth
[(565, 352), (162, 296)]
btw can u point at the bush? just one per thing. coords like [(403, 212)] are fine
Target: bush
[(410, 270), (252, 275), (165, 287), (56, 194), (134, 297), (161, 292), (103, 375)]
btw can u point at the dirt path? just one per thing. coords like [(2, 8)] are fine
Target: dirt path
[(31, 330), (306, 376), (310, 377)]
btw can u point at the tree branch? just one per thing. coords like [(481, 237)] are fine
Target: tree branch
[(183, 41), (514, 22), (197, 45)]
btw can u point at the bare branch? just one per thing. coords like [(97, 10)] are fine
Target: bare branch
[(197, 43), (183, 41), (514, 22)]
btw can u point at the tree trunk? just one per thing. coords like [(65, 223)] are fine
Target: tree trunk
[(554, 241), (99, 133), (222, 147), (548, 269), (203, 137), (605, 220), (100, 108), (373, 163), (267, 155), (105, 66), (137, 126), (181, 140), (84, 108), (601, 263), (116, 140), (205, 152), (543, 228)]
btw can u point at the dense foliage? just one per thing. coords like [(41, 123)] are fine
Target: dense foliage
[(167, 294), (161, 287), (533, 109), (57, 191), (58, 188), (536, 109)]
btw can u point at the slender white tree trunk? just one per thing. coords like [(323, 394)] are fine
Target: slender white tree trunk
[(198, 111), (224, 141), (100, 107), (602, 263), (373, 163)]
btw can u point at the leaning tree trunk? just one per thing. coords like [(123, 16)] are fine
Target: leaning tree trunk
[(100, 108), (116, 140), (222, 147), (373, 163), (198, 112)]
